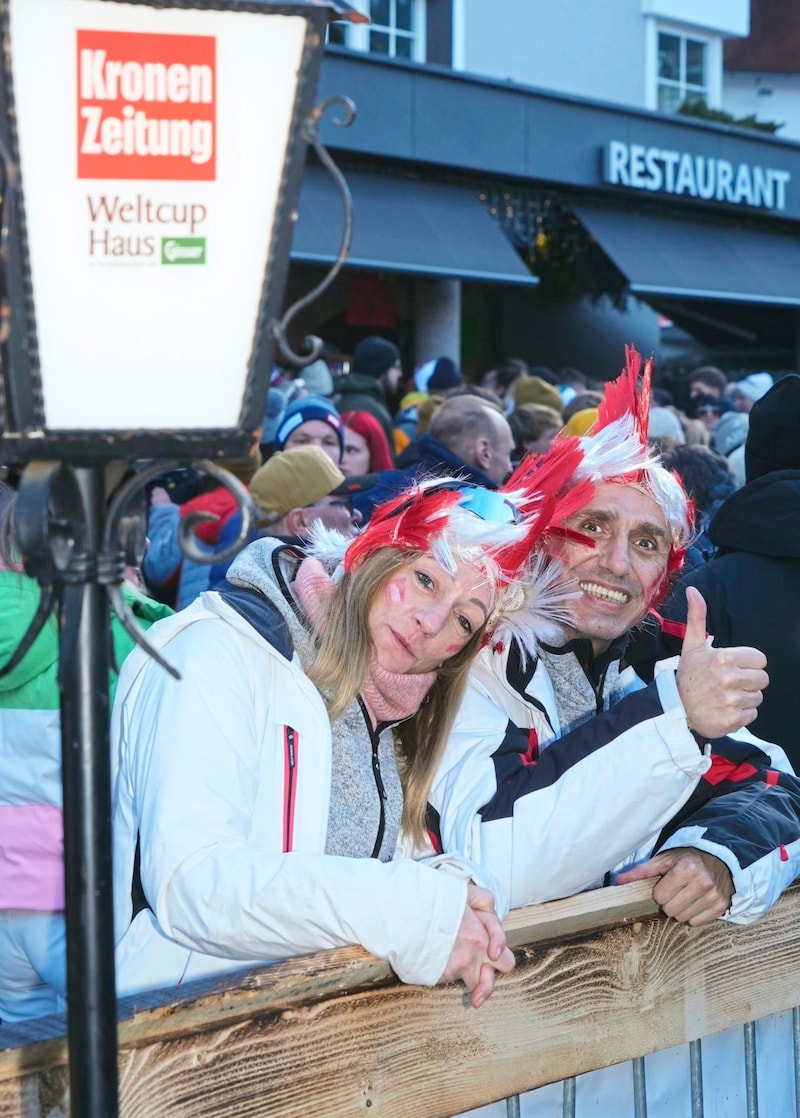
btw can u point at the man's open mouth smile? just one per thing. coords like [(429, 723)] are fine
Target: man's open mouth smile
[(619, 597)]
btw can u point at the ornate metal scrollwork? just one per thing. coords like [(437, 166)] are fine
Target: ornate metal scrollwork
[(49, 524), (311, 135)]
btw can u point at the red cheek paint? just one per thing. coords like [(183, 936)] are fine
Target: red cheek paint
[(395, 592), (453, 648)]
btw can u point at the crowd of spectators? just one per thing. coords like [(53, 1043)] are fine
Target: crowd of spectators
[(478, 601)]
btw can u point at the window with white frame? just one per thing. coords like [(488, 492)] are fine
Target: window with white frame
[(683, 70), (396, 29)]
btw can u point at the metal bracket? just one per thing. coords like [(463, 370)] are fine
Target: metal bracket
[(311, 135)]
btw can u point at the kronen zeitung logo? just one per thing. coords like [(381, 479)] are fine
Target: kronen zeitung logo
[(146, 106)]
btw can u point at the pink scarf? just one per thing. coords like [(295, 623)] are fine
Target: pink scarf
[(388, 697)]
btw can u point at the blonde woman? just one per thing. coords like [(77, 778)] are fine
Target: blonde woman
[(263, 789)]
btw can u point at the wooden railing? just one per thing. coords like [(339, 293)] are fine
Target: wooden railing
[(600, 978)]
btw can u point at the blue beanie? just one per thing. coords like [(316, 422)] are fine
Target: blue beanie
[(303, 410)]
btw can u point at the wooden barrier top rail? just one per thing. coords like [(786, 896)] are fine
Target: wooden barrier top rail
[(600, 978)]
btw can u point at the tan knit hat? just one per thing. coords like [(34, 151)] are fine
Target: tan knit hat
[(293, 479), (534, 390)]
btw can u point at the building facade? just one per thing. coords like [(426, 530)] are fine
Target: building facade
[(762, 71), (488, 128)]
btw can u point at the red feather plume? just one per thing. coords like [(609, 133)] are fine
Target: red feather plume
[(542, 481), (408, 521), (626, 396)]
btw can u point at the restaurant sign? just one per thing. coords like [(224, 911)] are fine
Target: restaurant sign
[(682, 173)]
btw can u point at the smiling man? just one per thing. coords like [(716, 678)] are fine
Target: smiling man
[(563, 771)]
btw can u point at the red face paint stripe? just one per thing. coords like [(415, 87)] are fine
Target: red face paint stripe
[(291, 748)]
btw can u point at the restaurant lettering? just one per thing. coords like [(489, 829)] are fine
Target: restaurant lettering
[(696, 176)]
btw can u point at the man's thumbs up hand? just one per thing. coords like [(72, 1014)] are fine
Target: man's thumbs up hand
[(695, 636), (720, 688)]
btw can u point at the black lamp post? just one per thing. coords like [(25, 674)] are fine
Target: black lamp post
[(153, 152)]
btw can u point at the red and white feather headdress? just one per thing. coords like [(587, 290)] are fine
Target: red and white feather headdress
[(452, 520), (616, 450)]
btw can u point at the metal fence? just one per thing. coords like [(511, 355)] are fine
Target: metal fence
[(683, 1087)]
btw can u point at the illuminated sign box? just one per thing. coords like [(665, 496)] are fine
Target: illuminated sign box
[(160, 157)]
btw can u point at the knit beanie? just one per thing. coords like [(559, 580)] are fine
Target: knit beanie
[(293, 479), (581, 422), (374, 356), (445, 376), (317, 378), (534, 390), (753, 386), (303, 410), (664, 424), (773, 440)]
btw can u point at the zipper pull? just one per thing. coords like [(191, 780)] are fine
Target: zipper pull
[(376, 768)]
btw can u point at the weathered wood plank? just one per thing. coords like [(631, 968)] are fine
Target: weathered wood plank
[(623, 984)]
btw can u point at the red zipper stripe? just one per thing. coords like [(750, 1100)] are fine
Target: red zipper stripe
[(291, 747)]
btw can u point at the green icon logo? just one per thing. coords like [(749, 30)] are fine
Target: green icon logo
[(183, 250)]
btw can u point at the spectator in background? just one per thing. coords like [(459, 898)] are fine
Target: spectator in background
[(729, 439), (445, 377), (499, 380), (707, 380), (752, 586), (662, 398), (168, 574), (372, 383), (406, 419), (32, 930), (583, 400), (709, 481), (581, 422), (570, 377), (291, 492), (709, 409), (365, 447), (664, 430), (317, 378), (468, 438), (438, 378), (730, 432), (311, 421), (744, 393), (534, 427), (273, 410), (533, 390), (695, 432)]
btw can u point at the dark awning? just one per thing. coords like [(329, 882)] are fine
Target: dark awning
[(402, 225), (690, 259)]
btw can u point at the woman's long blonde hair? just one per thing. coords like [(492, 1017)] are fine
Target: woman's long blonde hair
[(340, 663)]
